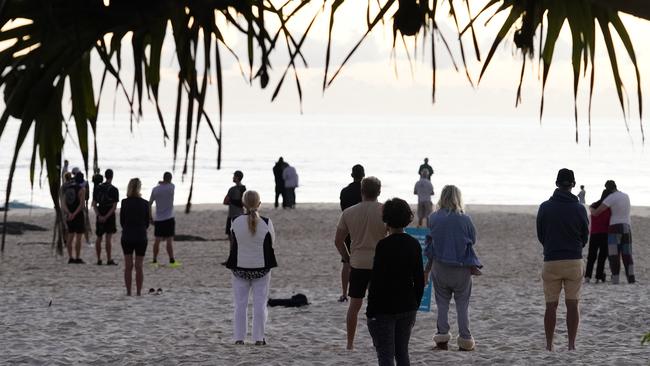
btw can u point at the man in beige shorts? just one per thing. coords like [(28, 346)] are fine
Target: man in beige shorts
[(563, 230), (363, 222)]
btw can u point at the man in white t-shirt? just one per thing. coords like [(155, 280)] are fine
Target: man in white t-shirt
[(619, 240), (164, 222), (424, 190)]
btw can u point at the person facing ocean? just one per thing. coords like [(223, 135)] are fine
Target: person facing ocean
[(563, 230), (350, 196), (598, 240), (104, 203), (396, 286), (424, 190), (134, 219), (72, 204), (234, 199), (451, 262), (426, 167), (290, 178), (164, 222), (279, 181), (620, 231), (251, 259), (363, 222), (581, 195)]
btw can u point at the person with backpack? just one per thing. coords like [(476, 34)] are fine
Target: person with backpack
[(233, 199), (104, 203), (72, 203)]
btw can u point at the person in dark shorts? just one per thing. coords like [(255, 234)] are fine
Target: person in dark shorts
[(234, 199), (364, 224), (164, 223), (134, 219), (350, 196), (72, 203), (105, 199), (396, 286), (278, 168)]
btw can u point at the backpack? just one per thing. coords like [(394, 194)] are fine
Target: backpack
[(70, 195), (102, 197)]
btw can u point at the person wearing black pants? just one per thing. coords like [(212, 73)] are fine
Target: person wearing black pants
[(396, 287), (134, 219), (598, 241)]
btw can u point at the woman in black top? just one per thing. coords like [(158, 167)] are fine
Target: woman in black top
[(396, 286), (134, 219)]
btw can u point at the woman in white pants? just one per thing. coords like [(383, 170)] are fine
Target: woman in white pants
[(251, 259)]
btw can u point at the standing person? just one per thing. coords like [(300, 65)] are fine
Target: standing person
[(164, 222), (97, 179), (279, 181), (66, 167), (598, 240), (86, 216), (427, 168), (424, 190), (620, 231), (563, 229), (451, 262), (104, 204), (290, 178), (251, 259), (350, 196), (396, 286), (234, 199), (581, 195), (67, 183), (134, 219), (72, 204), (363, 222)]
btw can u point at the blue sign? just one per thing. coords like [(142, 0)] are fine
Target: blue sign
[(421, 234)]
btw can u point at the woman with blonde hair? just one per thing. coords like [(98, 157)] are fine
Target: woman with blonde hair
[(251, 259), (134, 219), (451, 261)]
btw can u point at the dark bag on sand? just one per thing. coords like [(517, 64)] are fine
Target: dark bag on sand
[(295, 301)]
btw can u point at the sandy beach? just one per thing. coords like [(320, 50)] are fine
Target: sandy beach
[(91, 321)]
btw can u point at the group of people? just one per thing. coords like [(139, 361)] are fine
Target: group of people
[(381, 260), (286, 182), (563, 229), (135, 215)]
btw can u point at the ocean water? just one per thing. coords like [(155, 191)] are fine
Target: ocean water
[(492, 161)]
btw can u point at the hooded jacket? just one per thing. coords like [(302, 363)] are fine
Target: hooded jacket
[(562, 227)]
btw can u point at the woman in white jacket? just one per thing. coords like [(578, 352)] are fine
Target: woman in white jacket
[(251, 259)]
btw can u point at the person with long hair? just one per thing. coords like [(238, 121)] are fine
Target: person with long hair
[(396, 286), (251, 259), (598, 240), (451, 260), (134, 219)]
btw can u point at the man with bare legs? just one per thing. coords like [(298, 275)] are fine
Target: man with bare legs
[(563, 230), (363, 222), (104, 203), (164, 223)]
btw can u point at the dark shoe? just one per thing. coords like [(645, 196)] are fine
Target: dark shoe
[(261, 343), (152, 291), (159, 291), (342, 298), (111, 263), (80, 261), (631, 279), (72, 261), (99, 262), (239, 342)]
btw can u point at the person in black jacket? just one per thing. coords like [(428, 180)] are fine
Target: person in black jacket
[(278, 168), (350, 196), (396, 286), (134, 219), (563, 230)]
